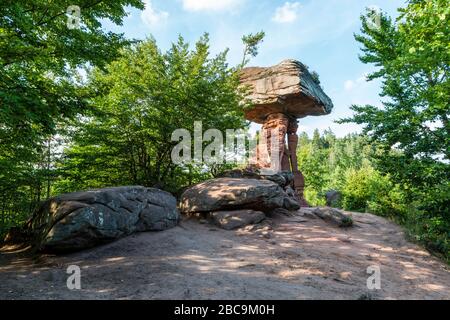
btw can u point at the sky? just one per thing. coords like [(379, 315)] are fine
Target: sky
[(318, 33)]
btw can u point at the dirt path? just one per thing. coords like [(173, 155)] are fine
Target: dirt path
[(301, 258)]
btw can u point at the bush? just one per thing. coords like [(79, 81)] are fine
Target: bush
[(432, 232), (313, 197), (366, 190)]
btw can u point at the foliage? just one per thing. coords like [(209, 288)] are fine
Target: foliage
[(349, 165), (315, 77), (251, 42), (412, 130), (40, 90), (412, 56), (127, 139)]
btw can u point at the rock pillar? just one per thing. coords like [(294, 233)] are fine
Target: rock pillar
[(274, 130), (299, 180)]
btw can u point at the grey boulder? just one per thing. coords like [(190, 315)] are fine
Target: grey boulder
[(235, 194), (334, 216), (79, 220), (333, 197)]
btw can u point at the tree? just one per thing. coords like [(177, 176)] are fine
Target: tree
[(40, 55), (412, 57), (143, 97), (251, 42), (413, 60)]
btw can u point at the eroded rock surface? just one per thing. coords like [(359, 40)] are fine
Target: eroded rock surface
[(230, 220), (235, 194), (287, 88), (79, 220)]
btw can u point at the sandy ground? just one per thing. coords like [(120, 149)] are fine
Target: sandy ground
[(295, 257)]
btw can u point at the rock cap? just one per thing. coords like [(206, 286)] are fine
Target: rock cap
[(287, 87)]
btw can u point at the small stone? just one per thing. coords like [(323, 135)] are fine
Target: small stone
[(334, 216), (250, 227), (236, 219)]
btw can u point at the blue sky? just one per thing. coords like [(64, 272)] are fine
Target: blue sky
[(317, 32)]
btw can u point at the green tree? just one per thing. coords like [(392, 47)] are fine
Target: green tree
[(412, 57), (251, 42), (145, 96), (40, 56)]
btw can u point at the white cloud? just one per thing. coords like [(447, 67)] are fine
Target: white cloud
[(153, 17), (209, 5), (351, 84), (286, 13)]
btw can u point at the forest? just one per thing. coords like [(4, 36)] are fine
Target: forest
[(84, 108)]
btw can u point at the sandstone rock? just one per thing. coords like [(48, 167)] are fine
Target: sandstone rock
[(236, 219), (287, 87), (281, 211), (235, 194), (240, 173), (80, 220), (334, 216), (283, 178), (307, 213), (290, 203)]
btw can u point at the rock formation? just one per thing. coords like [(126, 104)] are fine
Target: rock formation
[(238, 218), (240, 200), (334, 215), (287, 88), (235, 194), (79, 220), (280, 95)]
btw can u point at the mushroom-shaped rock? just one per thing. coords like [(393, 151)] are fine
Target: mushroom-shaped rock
[(286, 88)]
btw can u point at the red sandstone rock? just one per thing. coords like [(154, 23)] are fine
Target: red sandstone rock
[(287, 88), (280, 95)]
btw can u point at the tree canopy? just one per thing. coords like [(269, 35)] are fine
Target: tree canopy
[(411, 56), (40, 57), (142, 98)]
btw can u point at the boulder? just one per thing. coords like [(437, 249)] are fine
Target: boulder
[(334, 216), (283, 178), (235, 194), (79, 220), (286, 88), (236, 219)]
